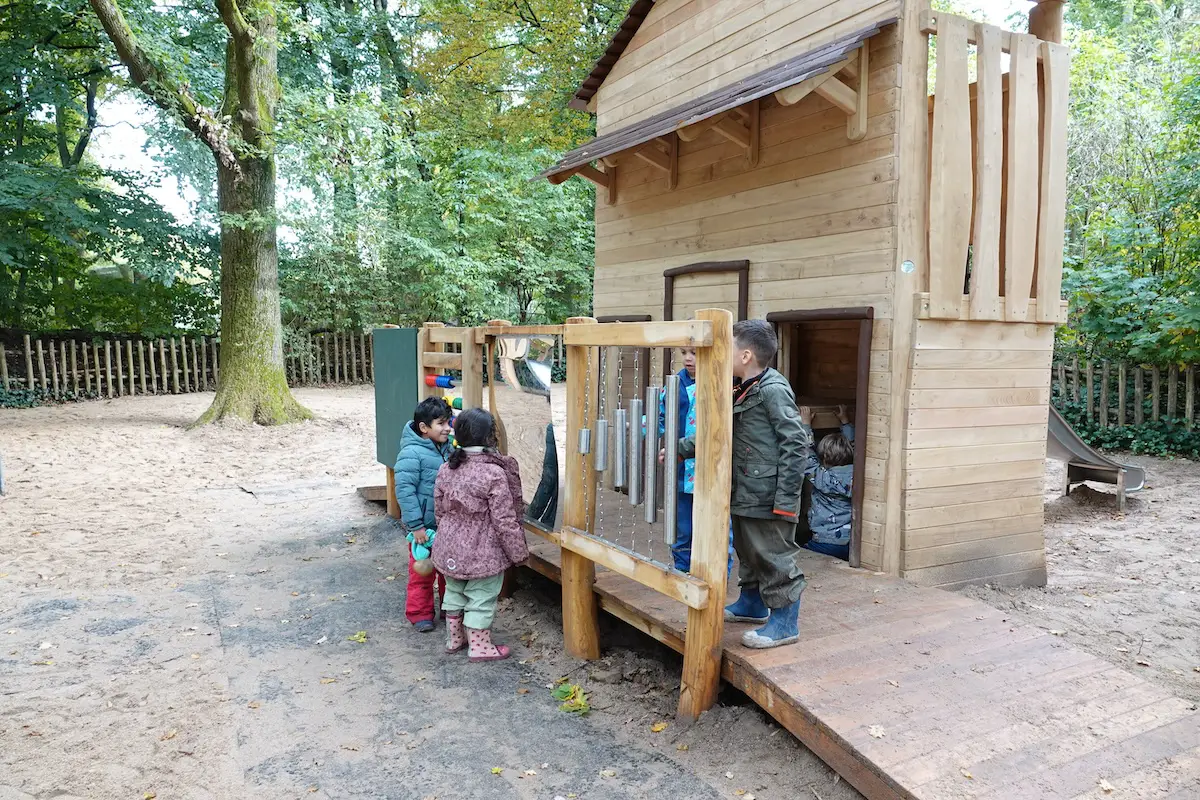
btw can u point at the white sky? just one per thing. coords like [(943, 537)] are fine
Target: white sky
[(123, 144)]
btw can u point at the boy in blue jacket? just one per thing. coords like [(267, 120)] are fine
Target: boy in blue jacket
[(424, 447), (830, 467)]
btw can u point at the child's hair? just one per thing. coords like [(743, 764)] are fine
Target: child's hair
[(835, 450), (757, 336), (474, 428), (429, 411)]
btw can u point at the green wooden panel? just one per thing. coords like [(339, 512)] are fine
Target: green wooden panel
[(396, 389)]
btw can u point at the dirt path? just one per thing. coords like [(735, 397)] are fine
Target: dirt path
[(174, 614)]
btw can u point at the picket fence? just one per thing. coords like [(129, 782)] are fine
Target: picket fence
[(122, 366), (1120, 394)]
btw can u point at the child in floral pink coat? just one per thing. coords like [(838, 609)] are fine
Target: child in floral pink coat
[(478, 503)]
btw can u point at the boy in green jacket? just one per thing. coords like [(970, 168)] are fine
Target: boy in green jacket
[(769, 449)]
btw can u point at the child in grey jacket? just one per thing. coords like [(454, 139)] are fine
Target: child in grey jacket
[(830, 467)]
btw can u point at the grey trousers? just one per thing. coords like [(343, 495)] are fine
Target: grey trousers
[(767, 553)]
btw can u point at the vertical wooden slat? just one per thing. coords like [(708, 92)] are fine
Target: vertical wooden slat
[(1172, 391), (351, 339), (3, 368), (1155, 395), (366, 356), (74, 370), (989, 155), (1052, 204), (184, 371), (96, 367), (153, 371), (83, 368), (581, 623), (1189, 396), (174, 367), (204, 364), (1104, 394), (129, 361), (108, 381), (325, 358), (162, 362), (1021, 216), (347, 359), (53, 368), (950, 182), (120, 381), (62, 360), (141, 350), (1139, 396), (215, 363), (714, 469), (472, 371), (197, 375), (337, 359), (1075, 379), (1062, 381), (1091, 395), (1121, 389), (28, 363)]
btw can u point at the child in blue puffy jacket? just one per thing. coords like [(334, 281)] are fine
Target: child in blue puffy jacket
[(830, 467), (424, 447)]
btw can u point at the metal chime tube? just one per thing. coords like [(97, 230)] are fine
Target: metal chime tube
[(585, 441), (651, 471), (671, 459), (635, 452), (620, 454), (600, 460)]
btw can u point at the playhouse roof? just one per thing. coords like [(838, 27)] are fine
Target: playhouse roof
[(629, 26), (792, 71)]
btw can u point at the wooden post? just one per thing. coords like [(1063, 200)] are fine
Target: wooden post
[(1062, 381), (203, 363), (472, 371), (74, 370), (1104, 394), (53, 368), (3, 368), (162, 363), (129, 360), (141, 348), (153, 371), (62, 352), (1121, 389), (1154, 395), (28, 363), (1139, 396), (325, 356), (197, 375), (41, 357), (581, 622), (338, 360), (1172, 391), (1075, 379), (1091, 395), (108, 382), (364, 354), (120, 382), (215, 362), (710, 517), (174, 368), (348, 360), (1189, 400), (1046, 20), (183, 363), (96, 367), (393, 505)]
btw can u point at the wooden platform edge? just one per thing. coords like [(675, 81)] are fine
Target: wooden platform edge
[(839, 755), (374, 494)]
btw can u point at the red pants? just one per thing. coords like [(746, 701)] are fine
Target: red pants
[(419, 604)]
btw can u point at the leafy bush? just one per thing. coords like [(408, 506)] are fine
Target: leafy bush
[(1165, 438), (19, 397)]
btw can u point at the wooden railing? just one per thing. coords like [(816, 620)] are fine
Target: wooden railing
[(997, 183), (1119, 394)]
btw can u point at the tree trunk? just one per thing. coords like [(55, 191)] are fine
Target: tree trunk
[(253, 385)]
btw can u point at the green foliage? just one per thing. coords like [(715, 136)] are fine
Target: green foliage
[(1165, 438)]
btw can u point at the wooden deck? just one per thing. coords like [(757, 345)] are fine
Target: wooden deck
[(911, 692)]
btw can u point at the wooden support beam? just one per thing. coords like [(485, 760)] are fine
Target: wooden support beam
[(650, 153), (1056, 65), (791, 95), (601, 179), (839, 94), (754, 123), (856, 126), (562, 177), (691, 133), (581, 622), (471, 359), (681, 333), (393, 505), (714, 469), (734, 131), (688, 590), (672, 141), (440, 360)]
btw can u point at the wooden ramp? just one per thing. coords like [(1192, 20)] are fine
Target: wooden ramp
[(911, 692)]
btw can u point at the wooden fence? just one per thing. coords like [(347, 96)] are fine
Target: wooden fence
[(122, 366), (1119, 394)]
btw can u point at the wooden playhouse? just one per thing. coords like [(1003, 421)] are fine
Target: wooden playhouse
[(887, 184)]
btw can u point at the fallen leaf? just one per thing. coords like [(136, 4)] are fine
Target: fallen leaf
[(295, 594), (149, 796), (522, 690), (360, 637), (681, 747), (390, 578), (740, 792), (876, 731), (658, 727), (312, 789), (351, 540), (530, 772), (195, 655), (1105, 786), (168, 736), (43, 663), (328, 680), (421, 678), (608, 773), (966, 774), (497, 770), (254, 704)]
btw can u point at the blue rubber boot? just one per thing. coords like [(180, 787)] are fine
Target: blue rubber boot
[(749, 607), (783, 627)]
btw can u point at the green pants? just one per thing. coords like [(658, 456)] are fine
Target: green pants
[(476, 599), (767, 553)]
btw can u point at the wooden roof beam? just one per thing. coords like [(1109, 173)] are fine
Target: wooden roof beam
[(856, 125), (650, 153), (790, 95), (839, 94), (734, 131)]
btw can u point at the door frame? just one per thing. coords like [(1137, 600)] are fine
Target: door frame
[(741, 267), (866, 325)]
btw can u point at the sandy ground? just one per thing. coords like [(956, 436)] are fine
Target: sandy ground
[(1126, 588), (174, 614)]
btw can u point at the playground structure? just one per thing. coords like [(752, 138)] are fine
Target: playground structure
[(794, 162)]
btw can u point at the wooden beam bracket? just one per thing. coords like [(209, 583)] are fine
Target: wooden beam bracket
[(790, 95)]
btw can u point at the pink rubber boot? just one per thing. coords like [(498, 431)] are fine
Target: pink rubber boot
[(455, 638), (481, 647)]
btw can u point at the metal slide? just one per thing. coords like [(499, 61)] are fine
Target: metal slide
[(1085, 464)]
